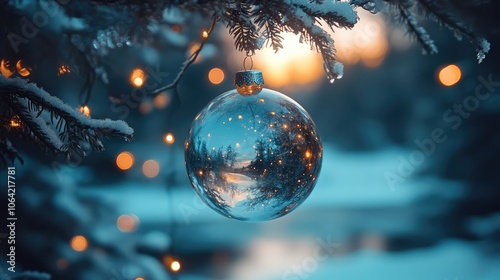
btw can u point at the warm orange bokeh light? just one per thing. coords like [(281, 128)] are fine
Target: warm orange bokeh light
[(137, 77), (5, 68), (23, 71), (216, 76), (296, 67), (64, 69), (139, 278), (169, 138), (161, 101), (127, 223), (150, 168), (366, 42), (125, 160), (145, 108), (85, 110), (450, 75), (15, 122), (171, 263), (293, 66), (79, 243), (175, 266), (193, 47)]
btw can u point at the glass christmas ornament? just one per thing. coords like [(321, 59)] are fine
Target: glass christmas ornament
[(253, 153)]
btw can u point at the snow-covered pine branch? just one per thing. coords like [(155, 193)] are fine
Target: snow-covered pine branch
[(407, 11), (254, 23), (91, 29), (8, 154), (31, 113), (445, 17), (415, 30), (114, 24)]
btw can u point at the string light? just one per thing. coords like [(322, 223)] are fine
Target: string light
[(5, 68), (172, 263), (64, 69), (125, 160), (193, 48), (23, 71), (450, 75), (137, 77), (79, 243), (175, 266), (169, 138), (85, 110), (150, 168), (204, 34), (15, 122)]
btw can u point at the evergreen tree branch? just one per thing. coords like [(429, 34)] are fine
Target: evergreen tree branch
[(47, 121), (445, 17), (415, 30), (8, 154)]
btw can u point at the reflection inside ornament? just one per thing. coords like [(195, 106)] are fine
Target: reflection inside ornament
[(253, 157)]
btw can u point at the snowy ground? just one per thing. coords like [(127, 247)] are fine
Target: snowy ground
[(352, 207)]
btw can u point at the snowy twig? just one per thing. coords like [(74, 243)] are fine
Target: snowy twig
[(45, 119), (446, 18), (421, 35)]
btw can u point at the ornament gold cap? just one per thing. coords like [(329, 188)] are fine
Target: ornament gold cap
[(248, 82)]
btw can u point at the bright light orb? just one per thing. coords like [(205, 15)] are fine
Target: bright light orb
[(79, 243), (169, 138), (175, 266), (450, 75), (137, 77), (85, 110), (150, 168), (125, 160), (127, 223), (216, 76)]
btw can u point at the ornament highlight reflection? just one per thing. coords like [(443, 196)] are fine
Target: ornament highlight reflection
[(253, 157)]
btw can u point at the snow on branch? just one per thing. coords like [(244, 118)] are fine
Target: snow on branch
[(32, 113), (407, 12), (338, 14), (415, 30), (255, 23), (445, 17), (101, 25)]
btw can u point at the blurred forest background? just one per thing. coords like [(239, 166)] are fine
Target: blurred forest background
[(385, 206)]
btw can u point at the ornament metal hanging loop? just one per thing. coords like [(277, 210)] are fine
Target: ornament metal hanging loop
[(245, 62)]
